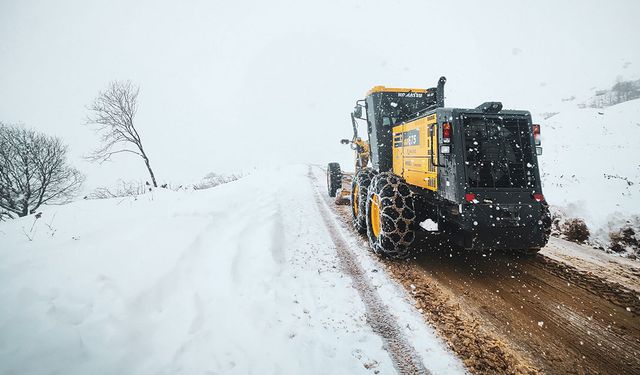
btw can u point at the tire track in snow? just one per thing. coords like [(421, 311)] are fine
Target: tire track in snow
[(403, 355), (264, 231)]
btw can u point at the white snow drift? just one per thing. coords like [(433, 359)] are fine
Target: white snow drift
[(241, 278)]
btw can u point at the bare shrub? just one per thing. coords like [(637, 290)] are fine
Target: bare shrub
[(122, 189), (624, 239), (557, 222), (33, 171), (214, 179), (575, 230)]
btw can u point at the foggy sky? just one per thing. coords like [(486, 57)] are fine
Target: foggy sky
[(227, 86)]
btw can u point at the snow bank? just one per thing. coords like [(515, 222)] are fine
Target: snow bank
[(591, 164), (241, 278)]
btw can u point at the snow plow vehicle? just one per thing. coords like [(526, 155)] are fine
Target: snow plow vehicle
[(469, 176)]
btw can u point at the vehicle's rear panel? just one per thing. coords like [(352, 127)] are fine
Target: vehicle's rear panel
[(493, 159), (498, 152)]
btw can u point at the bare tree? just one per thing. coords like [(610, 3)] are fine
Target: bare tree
[(113, 112), (33, 171)]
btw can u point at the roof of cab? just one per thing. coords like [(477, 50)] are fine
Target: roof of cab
[(376, 89)]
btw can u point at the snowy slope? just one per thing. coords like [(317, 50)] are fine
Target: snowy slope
[(241, 278), (591, 163)]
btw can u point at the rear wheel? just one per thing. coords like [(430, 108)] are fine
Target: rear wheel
[(334, 178), (545, 222), (390, 216), (359, 190)]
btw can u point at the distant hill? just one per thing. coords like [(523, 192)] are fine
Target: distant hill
[(621, 92)]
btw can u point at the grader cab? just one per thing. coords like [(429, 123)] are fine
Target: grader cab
[(431, 172)]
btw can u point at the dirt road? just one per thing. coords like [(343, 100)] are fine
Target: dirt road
[(552, 313)]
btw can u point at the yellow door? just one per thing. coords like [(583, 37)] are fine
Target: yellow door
[(415, 155)]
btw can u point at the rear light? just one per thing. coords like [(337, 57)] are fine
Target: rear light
[(538, 197), (446, 132), (470, 197), (536, 134)]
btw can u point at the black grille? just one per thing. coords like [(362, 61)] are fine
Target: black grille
[(498, 152)]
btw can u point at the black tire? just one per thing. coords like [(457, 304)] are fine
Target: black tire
[(545, 223), (396, 214), (359, 191), (334, 178)]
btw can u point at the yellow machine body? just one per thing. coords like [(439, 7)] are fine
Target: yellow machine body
[(395, 90), (415, 152)]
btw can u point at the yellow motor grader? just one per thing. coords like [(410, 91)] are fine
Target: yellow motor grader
[(468, 175)]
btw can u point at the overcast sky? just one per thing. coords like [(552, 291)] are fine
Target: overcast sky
[(229, 85)]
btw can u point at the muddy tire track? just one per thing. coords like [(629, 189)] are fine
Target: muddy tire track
[(614, 292), (558, 319)]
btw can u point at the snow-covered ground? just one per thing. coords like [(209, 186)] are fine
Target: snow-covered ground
[(244, 278), (591, 164), (241, 278)]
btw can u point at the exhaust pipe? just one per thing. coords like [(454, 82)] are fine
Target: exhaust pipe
[(440, 92)]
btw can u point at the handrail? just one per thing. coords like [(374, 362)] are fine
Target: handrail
[(432, 147)]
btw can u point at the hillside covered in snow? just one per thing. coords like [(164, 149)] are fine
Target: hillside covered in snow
[(591, 165)]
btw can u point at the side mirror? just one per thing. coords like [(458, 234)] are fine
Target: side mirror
[(357, 112), (345, 141), (538, 150)]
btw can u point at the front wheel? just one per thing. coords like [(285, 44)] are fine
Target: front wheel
[(334, 178), (359, 191), (391, 224)]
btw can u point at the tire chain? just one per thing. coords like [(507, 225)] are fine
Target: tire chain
[(397, 229), (363, 180)]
